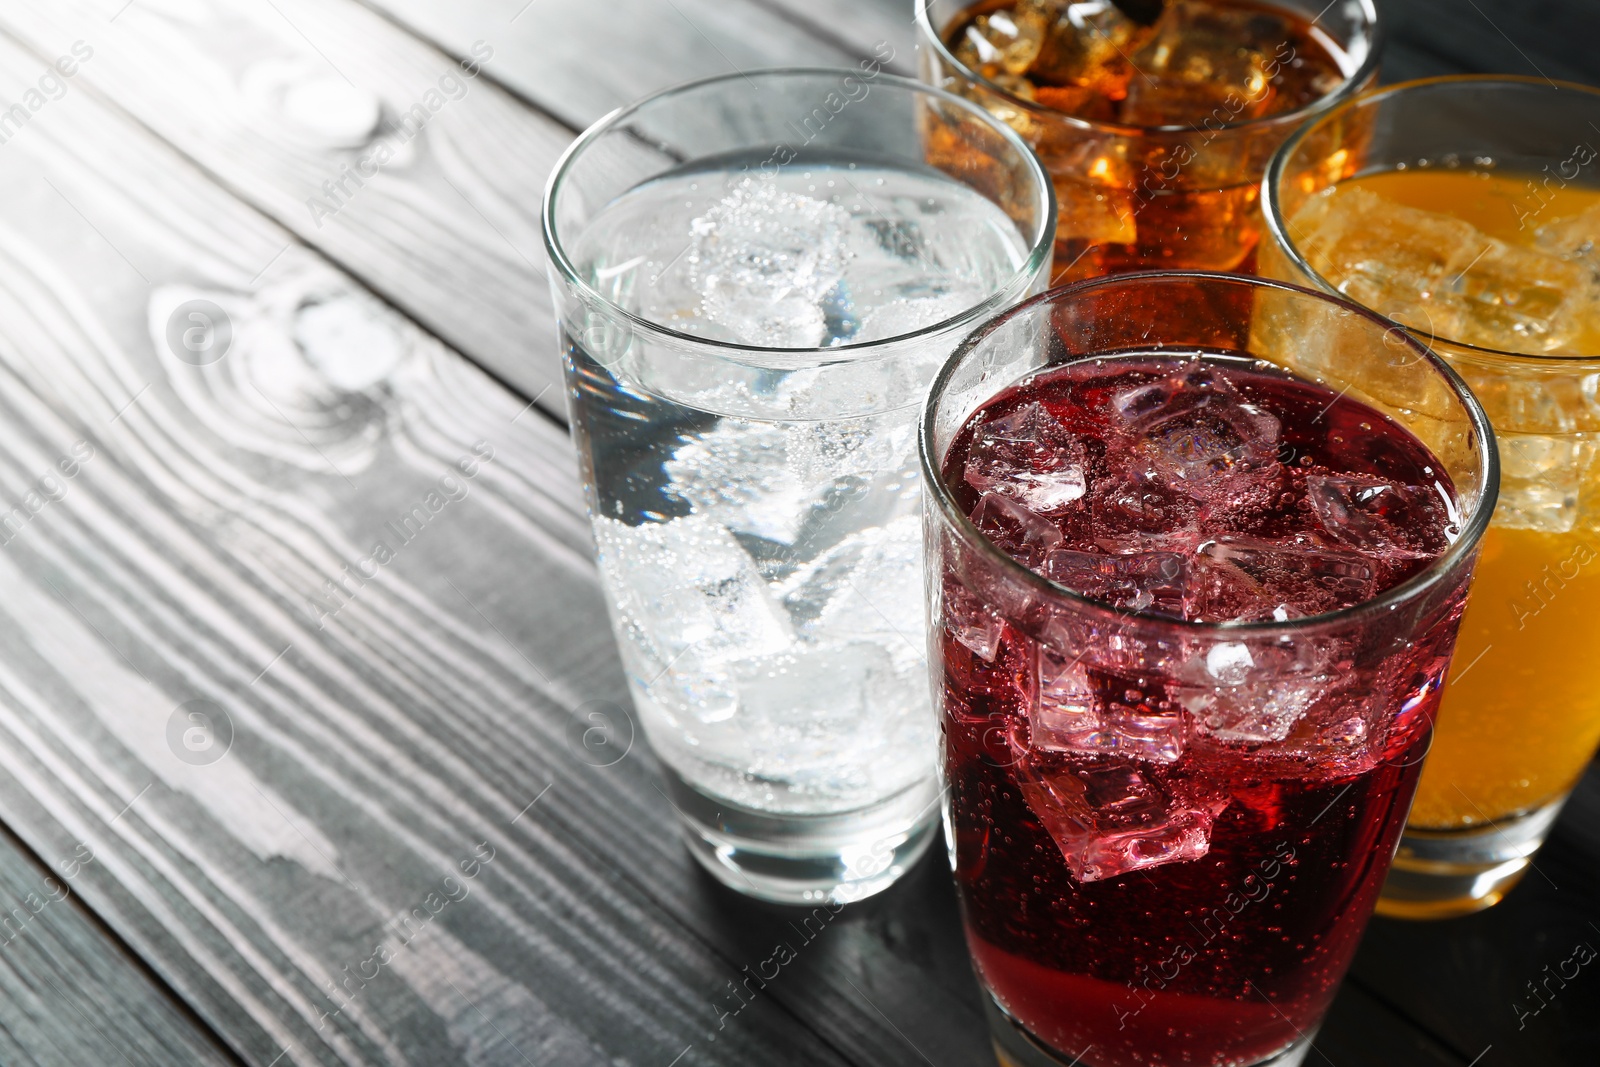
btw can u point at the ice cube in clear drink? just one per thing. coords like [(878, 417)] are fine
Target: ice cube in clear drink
[(688, 584), (813, 715), (868, 587), (764, 260), (737, 474)]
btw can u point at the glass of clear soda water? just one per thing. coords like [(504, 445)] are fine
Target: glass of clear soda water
[(756, 278)]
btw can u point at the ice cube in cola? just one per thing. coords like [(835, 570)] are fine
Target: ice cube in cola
[(1125, 792), (1200, 70)]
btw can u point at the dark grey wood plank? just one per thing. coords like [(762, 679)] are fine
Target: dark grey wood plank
[(578, 59), (1541, 38), (1362, 1031), (71, 993), (1509, 984), (383, 735), (902, 952), (308, 110), (621, 813), (857, 27)]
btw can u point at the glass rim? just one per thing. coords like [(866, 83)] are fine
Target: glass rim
[(1472, 526), (1347, 88), (1278, 226), (1040, 245)]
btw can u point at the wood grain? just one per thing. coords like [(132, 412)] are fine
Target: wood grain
[(619, 813), (188, 558), (71, 994), (1468, 980), (383, 731), (288, 104), (578, 59), (1548, 38)]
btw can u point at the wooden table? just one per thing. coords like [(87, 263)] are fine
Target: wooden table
[(381, 840)]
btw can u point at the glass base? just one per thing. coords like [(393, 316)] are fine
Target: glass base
[(1015, 1046), (1440, 874), (807, 859)]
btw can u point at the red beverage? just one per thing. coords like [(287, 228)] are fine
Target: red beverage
[(1169, 837)]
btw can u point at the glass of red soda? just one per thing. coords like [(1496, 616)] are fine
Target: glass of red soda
[(1199, 545)]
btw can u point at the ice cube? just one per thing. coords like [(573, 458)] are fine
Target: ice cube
[(1089, 713), (1201, 435), (1005, 41), (736, 474), (1540, 479), (1307, 727), (1111, 818), (827, 719), (1098, 213), (1133, 510), (695, 692), (1086, 44), (1380, 518), (1136, 582), (817, 453), (971, 622), (1205, 58), (1022, 534), (1574, 238), (1029, 456), (1220, 592), (1258, 692), (1261, 710), (689, 586), (868, 586), (1305, 578), (907, 315), (1442, 275), (769, 479), (764, 262)]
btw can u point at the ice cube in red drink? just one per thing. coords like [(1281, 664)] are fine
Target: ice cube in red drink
[(1169, 838)]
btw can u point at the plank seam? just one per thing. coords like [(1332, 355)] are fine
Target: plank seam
[(826, 36), (1439, 1041), (484, 72), (149, 973)]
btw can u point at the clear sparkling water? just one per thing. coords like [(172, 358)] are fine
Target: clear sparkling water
[(764, 567)]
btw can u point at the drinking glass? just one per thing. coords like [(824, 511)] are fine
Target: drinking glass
[(1160, 194), (756, 277), (1521, 717), (1168, 835)]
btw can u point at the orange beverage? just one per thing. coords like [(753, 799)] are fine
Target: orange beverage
[(1493, 254), (1155, 118), (1534, 617)]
